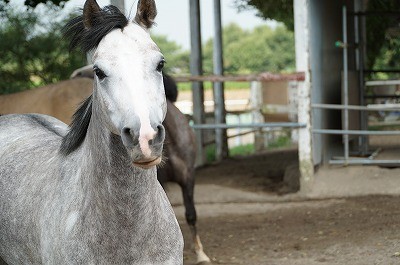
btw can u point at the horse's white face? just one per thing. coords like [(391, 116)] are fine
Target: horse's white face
[(130, 91)]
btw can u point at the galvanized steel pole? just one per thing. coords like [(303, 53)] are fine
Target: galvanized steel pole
[(345, 86), (221, 144), (359, 34), (196, 68)]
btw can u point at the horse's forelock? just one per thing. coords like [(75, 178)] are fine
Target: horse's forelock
[(103, 22)]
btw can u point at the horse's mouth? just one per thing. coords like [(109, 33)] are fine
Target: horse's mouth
[(147, 163)]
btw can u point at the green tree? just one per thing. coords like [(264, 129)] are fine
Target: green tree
[(34, 3), (262, 49), (177, 59), (279, 10), (381, 47), (33, 51)]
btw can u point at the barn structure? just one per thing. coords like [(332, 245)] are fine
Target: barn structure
[(333, 106), (331, 49)]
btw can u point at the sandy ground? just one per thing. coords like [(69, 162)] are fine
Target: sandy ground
[(248, 214), (341, 231), (244, 219)]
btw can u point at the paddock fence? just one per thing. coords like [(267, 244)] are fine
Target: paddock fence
[(269, 110)]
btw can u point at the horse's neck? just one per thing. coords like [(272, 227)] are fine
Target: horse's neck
[(123, 207), (113, 184)]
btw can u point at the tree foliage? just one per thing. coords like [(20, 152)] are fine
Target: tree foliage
[(34, 53), (383, 45), (262, 49), (279, 10), (32, 50), (34, 3), (177, 59)]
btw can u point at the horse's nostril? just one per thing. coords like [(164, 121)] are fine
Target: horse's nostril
[(126, 130), (160, 133), (129, 137), (160, 129)]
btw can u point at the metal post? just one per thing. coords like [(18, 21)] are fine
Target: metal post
[(196, 68), (345, 85), (221, 146), (359, 29)]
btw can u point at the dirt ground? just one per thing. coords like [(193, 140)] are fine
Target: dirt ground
[(347, 231), (357, 230), (262, 226)]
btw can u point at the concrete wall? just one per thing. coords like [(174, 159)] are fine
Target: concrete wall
[(302, 45)]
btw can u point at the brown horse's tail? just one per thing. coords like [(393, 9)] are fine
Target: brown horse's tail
[(171, 89)]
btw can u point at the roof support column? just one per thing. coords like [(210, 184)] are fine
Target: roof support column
[(302, 45), (196, 68), (221, 143)]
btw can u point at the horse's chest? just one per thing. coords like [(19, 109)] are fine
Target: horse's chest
[(151, 239)]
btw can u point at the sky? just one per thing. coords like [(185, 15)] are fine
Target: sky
[(173, 17)]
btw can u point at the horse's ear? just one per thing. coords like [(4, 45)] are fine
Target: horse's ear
[(146, 13), (89, 12)]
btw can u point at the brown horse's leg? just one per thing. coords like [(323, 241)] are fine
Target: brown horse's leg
[(191, 218), (201, 257)]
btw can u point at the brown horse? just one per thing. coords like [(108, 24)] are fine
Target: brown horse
[(60, 100)]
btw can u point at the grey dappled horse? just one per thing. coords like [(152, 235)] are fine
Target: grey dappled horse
[(89, 195), (180, 153), (60, 99)]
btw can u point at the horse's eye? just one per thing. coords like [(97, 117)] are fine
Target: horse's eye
[(160, 65), (100, 74)]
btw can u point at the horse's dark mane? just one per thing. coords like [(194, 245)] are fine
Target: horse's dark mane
[(103, 22), (170, 87), (78, 128), (87, 39)]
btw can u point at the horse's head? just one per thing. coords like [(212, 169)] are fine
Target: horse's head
[(128, 85)]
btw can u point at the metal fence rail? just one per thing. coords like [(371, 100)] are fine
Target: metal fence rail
[(370, 107), (293, 125), (387, 163), (354, 132)]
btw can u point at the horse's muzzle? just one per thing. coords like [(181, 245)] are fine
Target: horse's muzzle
[(147, 163), (144, 145)]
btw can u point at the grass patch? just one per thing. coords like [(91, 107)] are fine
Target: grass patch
[(280, 142), (241, 150), (248, 149), (210, 153)]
